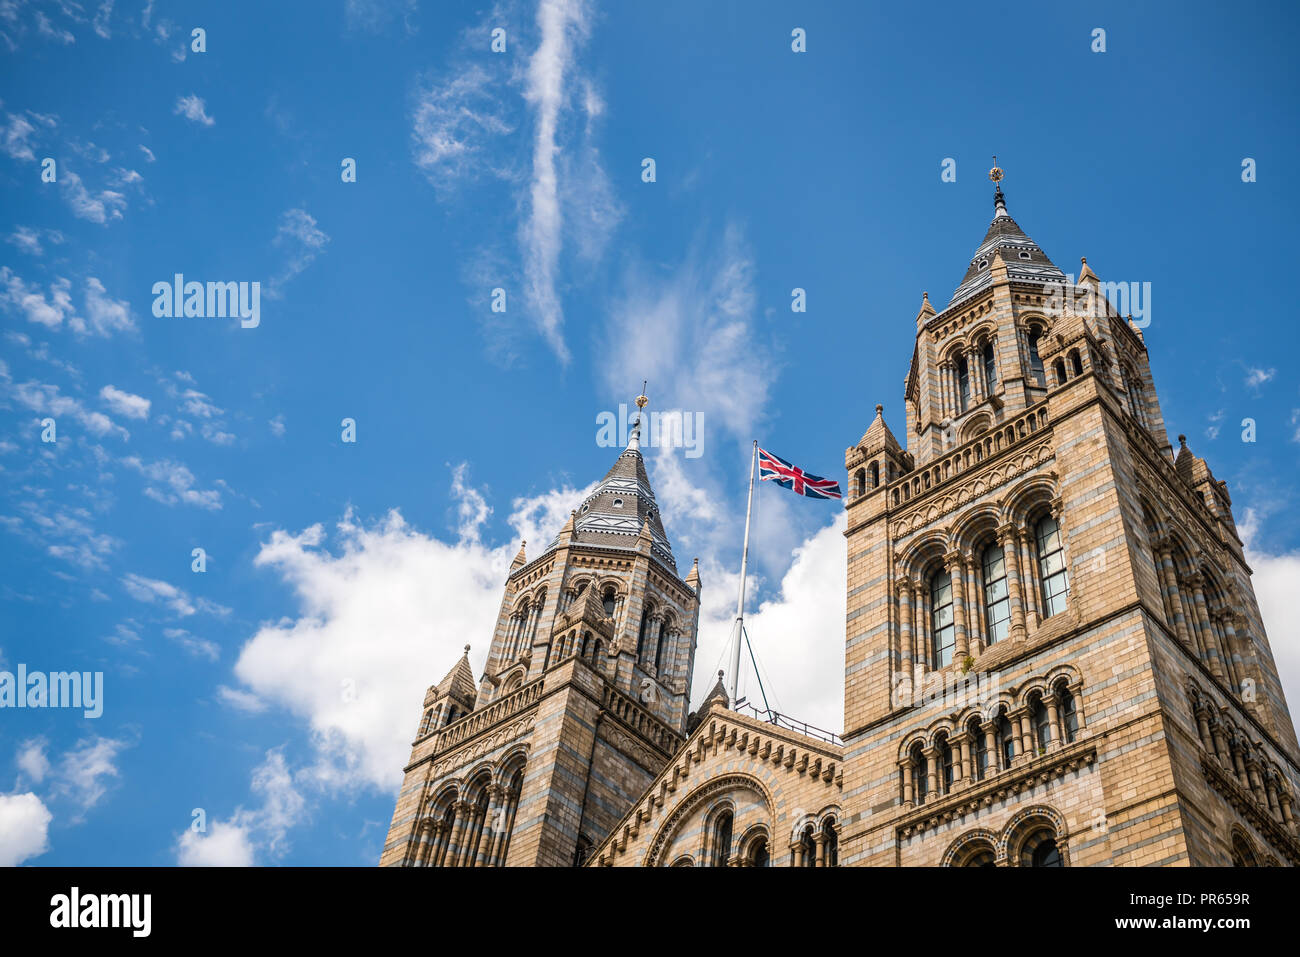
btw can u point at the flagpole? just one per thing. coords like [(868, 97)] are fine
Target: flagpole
[(740, 603)]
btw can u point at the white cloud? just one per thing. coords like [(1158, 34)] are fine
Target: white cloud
[(224, 844), (355, 662), (176, 483), (95, 207), (798, 634), (241, 700), (15, 138), (696, 338), (193, 108), (32, 303), (47, 29), (277, 425), (24, 828), (563, 26), (1275, 579), (299, 235), (1257, 377), (32, 760), (125, 403), (67, 533), (235, 842), (196, 646), (153, 590), (83, 775), (453, 122), (148, 153), (102, 16), (45, 399)]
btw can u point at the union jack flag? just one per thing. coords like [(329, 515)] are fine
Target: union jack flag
[(792, 477)]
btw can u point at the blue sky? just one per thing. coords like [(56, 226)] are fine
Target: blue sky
[(277, 691)]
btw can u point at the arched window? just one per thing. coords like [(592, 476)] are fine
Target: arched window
[(1059, 368), (942, 631), (990, 367), (920, 785), (875, 474), (980, 855), (979, 753), (722, 839), (661, 648), (427, 722), (1054, 578), (1040, 850), (1069, 714), (645, 627), (1035, 360), (832, 843), (997, 605), (809, 845), (610, 601), (860, 481), (963, 379), (1042, 726), (1006, 739), (1076, 364), (1242, 854), (759, 855), (945, 764)]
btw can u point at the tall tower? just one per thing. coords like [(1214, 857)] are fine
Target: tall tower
[(1053, 655), (582, 701)]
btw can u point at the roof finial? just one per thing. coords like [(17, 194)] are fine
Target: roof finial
[(999, 201), (467, 649), (634, 440)]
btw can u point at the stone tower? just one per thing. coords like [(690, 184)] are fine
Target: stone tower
[(1053, 653), (582, 700)]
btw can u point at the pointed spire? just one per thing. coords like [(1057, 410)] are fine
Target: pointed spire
[(693, 579), (519, 561), (1086, 275), (926, 312), (999, 201), (634, 440), (718, 695)]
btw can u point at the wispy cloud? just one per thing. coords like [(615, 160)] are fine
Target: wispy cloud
[(1256, 377), (238, 840), (194, 108), (173, 483), (302, 239), (125, 403), (96, 207)]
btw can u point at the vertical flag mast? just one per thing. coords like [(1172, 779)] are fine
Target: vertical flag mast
[(739, 634)]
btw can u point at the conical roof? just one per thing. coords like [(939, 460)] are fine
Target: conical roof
[(1024, 260), (459, 682), (622, 502)]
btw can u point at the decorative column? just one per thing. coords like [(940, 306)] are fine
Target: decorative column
[(919, 657), (1171, 589), (490, 832), (931, 756), (796, 850), (820, 839), (1055, 733), (956, 565), (963, 761), (1221, 749), (1020, 727), (908, 799), (1284, 799), (990, 729), (1007, 539), (1203, 726), (456, 845), (905, 625), (1026, 550), (1231, 662), (975, 618), (441, 832), (1203, 628)]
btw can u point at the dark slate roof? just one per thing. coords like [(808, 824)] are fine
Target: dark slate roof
[(1004, 234), (613, 514)]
